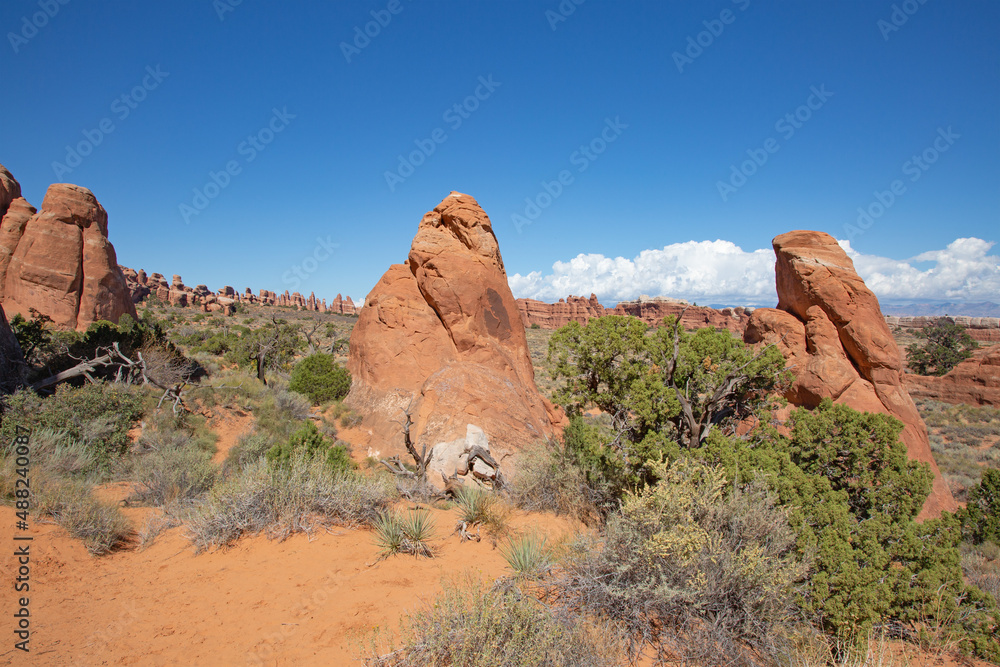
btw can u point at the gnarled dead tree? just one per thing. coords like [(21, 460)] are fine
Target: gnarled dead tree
[(126, 371), (420, 489)]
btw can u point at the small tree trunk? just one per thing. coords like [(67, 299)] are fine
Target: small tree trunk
[(260, 368)]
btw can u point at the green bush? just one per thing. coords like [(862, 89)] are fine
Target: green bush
[(981, 516), (319, 377), (309, 442), (661, 389), (97, 415), (852, 497)]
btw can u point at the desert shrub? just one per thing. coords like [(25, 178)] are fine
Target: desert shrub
[(97, 415), (250, 448), (321, 378), (473, 625), (101, 526), (691, 557), (57, 452), (545, 479), (34, 335), (269, 347), (281, 500), (177, 470), (474, 504), (291, 405), (981, 516), (945, 345), (350, 419), (309, 442)]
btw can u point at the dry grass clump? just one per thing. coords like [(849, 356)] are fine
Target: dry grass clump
[(473, 625), (545, 481), (249, 448), (282, 500), (481, 508), (169, 464), (101, 526)]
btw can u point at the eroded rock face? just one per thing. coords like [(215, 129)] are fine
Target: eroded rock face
[(59, 260), (830, 328), (975, 381), (442, 334)]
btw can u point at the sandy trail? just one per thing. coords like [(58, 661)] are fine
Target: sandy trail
[(260, 602), (229, 425)]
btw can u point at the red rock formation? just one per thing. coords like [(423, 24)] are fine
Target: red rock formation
[(555, 315), (343, 306), (831, 330), (443, 331), (975, 381), (59, 261), (654, 311)]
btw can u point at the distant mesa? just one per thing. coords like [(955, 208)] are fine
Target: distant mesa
[(982, 329), (829, 327), (142, 286), (651, 310), (442, 336), (59, 260)]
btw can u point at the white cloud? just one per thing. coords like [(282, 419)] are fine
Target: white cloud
[(722, 272), (964, 271)]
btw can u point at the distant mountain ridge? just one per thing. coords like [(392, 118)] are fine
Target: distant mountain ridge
[(941, 308)]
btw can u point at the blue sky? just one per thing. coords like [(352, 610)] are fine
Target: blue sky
[(869, 97)]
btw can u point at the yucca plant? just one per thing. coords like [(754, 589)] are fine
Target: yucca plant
[(389, 533), (418, 526), (409, 534), (474, 504), (527, 555)]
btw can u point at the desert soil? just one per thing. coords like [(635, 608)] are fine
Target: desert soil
[(303, 601)]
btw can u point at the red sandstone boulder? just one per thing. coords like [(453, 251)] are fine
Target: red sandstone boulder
[(831, 330), (975, 381), (442, 334), (63, 264)]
